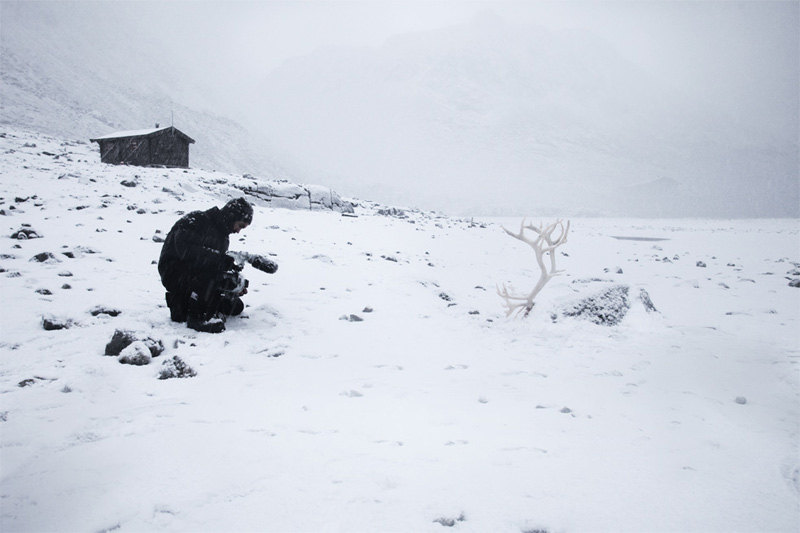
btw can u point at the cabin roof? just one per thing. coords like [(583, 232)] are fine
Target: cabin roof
[(138, 133)]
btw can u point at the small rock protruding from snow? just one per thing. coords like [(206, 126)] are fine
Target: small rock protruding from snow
[(137, 353), (122, 339), (51, 323), (25, 232), (44, 257)]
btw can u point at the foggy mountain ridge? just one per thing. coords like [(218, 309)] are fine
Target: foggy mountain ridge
[(549, 119), (481, 118)]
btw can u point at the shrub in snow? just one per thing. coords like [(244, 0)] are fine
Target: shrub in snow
[(137, 353), (175, 368), (644, 297), (607, 308), (450, 522)]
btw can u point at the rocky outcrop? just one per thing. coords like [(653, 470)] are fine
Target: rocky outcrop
[(292, 196)]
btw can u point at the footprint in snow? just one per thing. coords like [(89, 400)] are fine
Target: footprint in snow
[(630, 389)]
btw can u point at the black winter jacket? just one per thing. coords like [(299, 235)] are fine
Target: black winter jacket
[(195, 246)]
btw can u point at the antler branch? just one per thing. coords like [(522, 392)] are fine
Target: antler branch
[(543, 243)]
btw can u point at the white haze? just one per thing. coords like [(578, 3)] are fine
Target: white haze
[(732, 67)]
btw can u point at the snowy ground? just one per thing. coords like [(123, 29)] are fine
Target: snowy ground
[(433, 413)]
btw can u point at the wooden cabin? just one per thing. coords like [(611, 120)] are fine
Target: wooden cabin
[(163, 147)]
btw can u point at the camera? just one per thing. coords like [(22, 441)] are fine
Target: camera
[(232, 283)]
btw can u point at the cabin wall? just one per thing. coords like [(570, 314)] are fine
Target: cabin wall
[(169, 150), (164, 149)]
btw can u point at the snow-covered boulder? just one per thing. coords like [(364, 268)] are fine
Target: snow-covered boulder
[(302, 197), (122, 339), (607, 306)]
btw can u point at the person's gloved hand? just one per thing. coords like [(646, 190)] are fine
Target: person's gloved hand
[(263, 264), (228, 263)]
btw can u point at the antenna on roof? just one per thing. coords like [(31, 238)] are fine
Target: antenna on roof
[(173, 119)]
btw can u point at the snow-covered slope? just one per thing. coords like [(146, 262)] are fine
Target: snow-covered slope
[(65, 71), (432, 411)]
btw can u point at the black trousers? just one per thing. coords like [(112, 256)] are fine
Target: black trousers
[(198, 293)]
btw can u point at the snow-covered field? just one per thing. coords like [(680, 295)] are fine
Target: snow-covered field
[(434, 412)]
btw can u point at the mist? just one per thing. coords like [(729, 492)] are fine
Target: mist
[(697, 101)]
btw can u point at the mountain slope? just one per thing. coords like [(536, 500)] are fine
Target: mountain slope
[(528, 118), (65, 71)]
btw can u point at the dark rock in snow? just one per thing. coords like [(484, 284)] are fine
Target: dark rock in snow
[(122, 339), (44, 257), (795, 283), (175, 368), (50, 323), (701, 264), (392, 212), (128, 183), (119, 341), (137, 354), (25, 233), (100, 310)]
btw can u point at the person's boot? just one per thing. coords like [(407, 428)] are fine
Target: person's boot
[(231, 307), (215, 324)]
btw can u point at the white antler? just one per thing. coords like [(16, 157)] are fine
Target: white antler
[(544, 243)]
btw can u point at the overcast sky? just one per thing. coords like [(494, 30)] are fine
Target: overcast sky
[(743, 55)]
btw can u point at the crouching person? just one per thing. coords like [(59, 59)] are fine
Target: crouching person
[(203, 283)]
